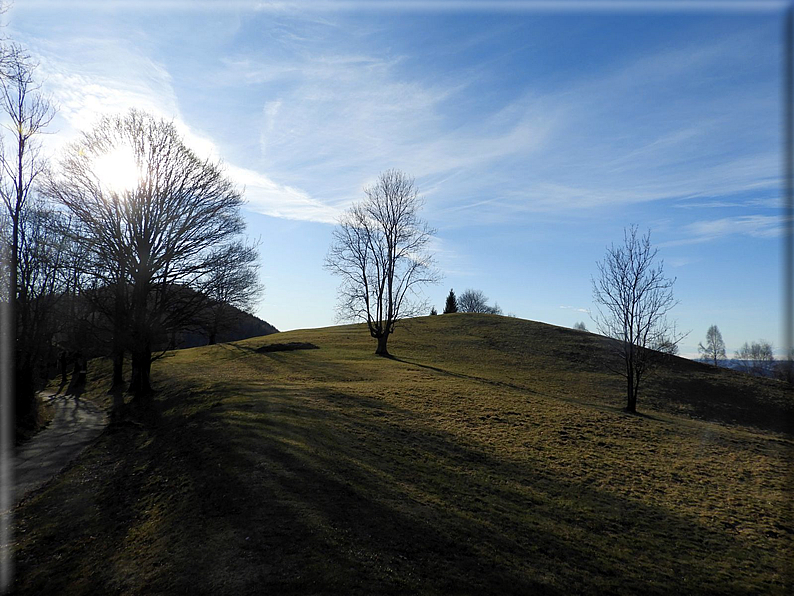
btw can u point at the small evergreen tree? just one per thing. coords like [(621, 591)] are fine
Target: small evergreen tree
[(433, 311), (452, 303)]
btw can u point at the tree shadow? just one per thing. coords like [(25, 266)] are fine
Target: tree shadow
[(322, 491), (449, 373), (64, 383), (707, 393)]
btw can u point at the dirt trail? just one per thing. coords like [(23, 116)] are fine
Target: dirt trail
[(76, 423)]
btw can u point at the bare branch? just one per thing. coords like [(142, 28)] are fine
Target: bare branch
[(172, 237), (633, 298), (379, 250)]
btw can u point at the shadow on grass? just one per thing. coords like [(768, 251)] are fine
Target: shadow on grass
[(322, 491), (569, 398), (399, 498), (449, 373), (726, 396)]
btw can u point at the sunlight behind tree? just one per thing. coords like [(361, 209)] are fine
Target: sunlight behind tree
[(117, 170)]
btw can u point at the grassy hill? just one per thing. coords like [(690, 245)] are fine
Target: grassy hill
[(491, 455)]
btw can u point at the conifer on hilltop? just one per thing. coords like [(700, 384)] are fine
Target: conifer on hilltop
[(452, 303)]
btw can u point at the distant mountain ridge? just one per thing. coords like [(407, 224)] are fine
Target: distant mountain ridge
[(740, 365)]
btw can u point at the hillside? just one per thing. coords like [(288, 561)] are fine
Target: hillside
[(491, 455), (239, 325)]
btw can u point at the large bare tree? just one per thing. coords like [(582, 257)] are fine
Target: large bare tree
[(27, 114), (157, 231), (380, 250), (632, 298)]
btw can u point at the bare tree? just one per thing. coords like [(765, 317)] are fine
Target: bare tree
[(5, 262), (475, 301), (632, 298), (714, 348), (158, 234), (580, 326), (380, 251), (666, 346), (28, 115), (756, 358), (21, 163), (494, 310), (232, 284), (106, 294)]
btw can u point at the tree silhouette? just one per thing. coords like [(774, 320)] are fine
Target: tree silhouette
[(379, 250), (158, 237), (633, 297), (756, 358), (714, 348), (475, 301), (27, 234), (451, 305)]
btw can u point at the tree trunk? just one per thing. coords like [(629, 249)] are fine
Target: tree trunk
[(381, 349), (118, 335), (212, 335), (140, 385), (62, 365), (25, 405), (118, 369), (117, 411), (631, 406), (141, 338)]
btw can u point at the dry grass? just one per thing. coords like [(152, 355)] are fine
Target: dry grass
[(491, 455)]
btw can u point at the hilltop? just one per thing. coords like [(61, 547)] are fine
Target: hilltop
[(491, 455)]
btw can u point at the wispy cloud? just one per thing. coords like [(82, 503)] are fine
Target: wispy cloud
[(345, 119), (749, 225), (755, 226), (770, 203), (576, 309), (617, 138), (681, 261), (86, 78), (269, 198), (336, 107), (450, 262), (113, 78)]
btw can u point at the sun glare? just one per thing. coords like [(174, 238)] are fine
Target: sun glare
[(117, 170)]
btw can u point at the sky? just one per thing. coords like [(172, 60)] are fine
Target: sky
[(536, 132)]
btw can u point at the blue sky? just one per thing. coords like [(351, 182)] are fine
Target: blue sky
[(536, 132)]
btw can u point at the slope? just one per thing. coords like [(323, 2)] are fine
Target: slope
[(491, 455)]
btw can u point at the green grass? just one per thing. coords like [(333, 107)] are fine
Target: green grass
[(491, 455)]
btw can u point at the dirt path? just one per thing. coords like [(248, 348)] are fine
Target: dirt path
[(76, 423)]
